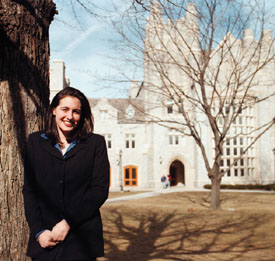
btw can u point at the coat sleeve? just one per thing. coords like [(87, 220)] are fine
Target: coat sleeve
[(98, 190), (30, 193)]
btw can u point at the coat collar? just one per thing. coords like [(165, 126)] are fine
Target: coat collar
[(79, 146), (46, 145)]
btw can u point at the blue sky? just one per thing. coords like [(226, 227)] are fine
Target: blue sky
[(83, 45)]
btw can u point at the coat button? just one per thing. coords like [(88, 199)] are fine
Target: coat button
[(60, 181), (60, 200)]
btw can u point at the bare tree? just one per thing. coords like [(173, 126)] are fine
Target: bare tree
[(202, 60), (24, 92)]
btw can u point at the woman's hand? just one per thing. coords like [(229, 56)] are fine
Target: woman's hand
[(60, 231), (45, 239)]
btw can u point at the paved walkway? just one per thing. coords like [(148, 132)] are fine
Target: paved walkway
[(175, 189)]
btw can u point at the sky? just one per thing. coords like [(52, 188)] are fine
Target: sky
[(82, 42)]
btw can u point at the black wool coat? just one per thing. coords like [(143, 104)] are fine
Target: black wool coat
[(71, 188)]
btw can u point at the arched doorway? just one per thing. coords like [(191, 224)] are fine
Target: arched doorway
[(176, 172)]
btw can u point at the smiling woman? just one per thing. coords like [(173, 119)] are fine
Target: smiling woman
[(66, 182), (67, 115)]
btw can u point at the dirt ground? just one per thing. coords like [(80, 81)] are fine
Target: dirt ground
[(180, 226)]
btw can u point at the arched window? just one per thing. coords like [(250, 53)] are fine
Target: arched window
[(130, 176)]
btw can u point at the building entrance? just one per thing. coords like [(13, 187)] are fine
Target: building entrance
[(176, 172)]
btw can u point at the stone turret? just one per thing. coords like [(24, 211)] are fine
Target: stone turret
[(267, 40), (178, 38), (154, 27), (57, 78), (155, 18), (188, 28), (248, 38), (268, 50), (153, 42), (191, 16), (267, 36), (155, 10)]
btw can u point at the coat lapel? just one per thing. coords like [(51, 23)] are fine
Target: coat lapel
[(79, 146), (46, 145)]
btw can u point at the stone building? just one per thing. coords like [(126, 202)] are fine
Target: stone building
[(141, 151), (58, 81)]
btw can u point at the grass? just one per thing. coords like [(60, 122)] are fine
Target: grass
[(180, 226)]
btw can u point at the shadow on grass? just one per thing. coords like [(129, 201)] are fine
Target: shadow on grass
[(172, 236), (203, 199)]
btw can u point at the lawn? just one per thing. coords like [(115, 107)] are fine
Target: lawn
[(180, 226), (124, 193)]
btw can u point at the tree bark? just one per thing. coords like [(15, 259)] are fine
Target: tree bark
[(215, 190), (24, 94)]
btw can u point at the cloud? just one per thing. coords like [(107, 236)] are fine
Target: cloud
[(84, 52), (73, 45)]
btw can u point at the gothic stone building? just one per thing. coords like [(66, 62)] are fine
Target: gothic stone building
[(141, 152)]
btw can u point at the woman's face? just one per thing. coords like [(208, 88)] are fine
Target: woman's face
[(67, 115)]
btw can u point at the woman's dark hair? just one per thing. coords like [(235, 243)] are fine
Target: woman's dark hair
[(85, 126)]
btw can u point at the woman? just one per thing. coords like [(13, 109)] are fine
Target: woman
[(66, 182)]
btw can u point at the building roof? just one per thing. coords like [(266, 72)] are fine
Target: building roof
[(130, 111)]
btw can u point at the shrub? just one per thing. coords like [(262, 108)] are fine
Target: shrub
[(268, 187)]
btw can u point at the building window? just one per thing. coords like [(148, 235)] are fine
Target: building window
[(238, 138), (170, 104), (130, 141), (130, 176), (174, 137), (108, 138), (180, 105), (103, 114), (170, 109), (170, 139), (176, 140), (228, 173)]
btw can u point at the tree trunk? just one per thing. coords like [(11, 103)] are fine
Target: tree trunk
[(215, 189), (215, 193), (24, 94)]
